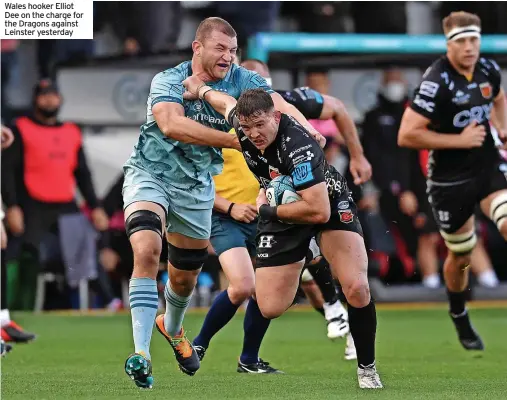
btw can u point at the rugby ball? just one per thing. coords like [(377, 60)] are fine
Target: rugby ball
[(281, 191)]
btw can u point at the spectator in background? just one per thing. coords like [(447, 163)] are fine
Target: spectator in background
[(397, 175), (8, 49), (40, 172), (379, 17)]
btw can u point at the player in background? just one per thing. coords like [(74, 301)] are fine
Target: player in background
[(273, 140), (168, 186), (459, 96)]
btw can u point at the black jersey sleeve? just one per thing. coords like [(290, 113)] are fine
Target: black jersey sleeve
[(492, 70), (302, 158), (308, 101), (428, 96)]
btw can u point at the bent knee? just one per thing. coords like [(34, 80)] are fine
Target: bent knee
[(271, 313), (147, 253), (238, 293), (460, 244), (461, 261), (358, 293), (183, 279)]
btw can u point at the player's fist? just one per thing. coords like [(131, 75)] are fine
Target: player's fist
[(243, 212), (473, 135), (360, 169), (192, 84), (100, 219)]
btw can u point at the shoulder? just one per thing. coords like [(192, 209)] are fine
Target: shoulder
[(489, 67), (178, 73), (293, 136)]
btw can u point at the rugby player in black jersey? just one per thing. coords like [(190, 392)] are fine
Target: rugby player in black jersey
[(459, 112), (272, 141)]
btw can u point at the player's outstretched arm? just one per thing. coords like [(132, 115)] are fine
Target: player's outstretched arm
[(333, 108), (414, 133), (287, 108), (171, 120)]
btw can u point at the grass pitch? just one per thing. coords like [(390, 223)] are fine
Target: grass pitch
[(418, 357)]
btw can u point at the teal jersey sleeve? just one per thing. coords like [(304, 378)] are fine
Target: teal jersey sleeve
[(166, 86), (251, 80)]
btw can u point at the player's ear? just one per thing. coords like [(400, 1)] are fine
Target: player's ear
[(278, 116), (197, 47)]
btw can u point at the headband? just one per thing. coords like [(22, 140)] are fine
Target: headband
[(464, 31)]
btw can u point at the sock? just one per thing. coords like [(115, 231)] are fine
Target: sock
[(221, 312), (175, 307), (5, 318), (324, 280), (488, 279), (255, 327), (363, 327), (456, 302), (143, 297), (320, 310)]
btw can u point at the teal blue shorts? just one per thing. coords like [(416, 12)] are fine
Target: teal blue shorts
[(188, 212)]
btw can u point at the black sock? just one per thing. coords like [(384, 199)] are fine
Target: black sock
[(456, 302), (320, 310), (324, 280), (363, 327)]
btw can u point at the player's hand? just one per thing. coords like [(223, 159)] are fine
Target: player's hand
[(100, 219), (192, 84), (360, 169), (235, 144), (243, 212), (408, 203), (109, 259), (7, 137), (261, 199), (473, 135), (15, 220), (3, 236), (189, 96), (420, 220), (321, 140)]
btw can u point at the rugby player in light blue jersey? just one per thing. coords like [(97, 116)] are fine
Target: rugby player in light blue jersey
[(169, 187)]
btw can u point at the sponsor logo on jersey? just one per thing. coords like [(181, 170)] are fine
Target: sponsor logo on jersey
[(346, 216), (477, 113), (273, 172), (293, 153), (425, 105), (461, 98), (343, 205), (486, 90), (302, 173)]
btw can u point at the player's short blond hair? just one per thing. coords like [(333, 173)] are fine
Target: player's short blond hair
[(211, 24), (459, 19)]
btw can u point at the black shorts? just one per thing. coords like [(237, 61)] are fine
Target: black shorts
[(453, 204), (279, 243)]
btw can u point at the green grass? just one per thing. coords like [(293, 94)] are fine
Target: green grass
[(418, 357)]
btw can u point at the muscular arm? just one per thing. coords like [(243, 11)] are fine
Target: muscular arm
[(314, 208), (414, 133), (335, 109), (172, 122)]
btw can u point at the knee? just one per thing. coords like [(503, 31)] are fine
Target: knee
[(498, 213), (358, 293), (147, 253), (241, 291), (270, 312), (461, 261), (183, 280)]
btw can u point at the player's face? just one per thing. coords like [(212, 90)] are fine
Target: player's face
[(464, 51), (48, 103), (217, 53), (261, 128)]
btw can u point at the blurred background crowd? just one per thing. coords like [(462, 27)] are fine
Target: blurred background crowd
[(68, 248)]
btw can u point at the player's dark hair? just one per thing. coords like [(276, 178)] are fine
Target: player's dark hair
[(253, 102), (211, 24), (459, 19)]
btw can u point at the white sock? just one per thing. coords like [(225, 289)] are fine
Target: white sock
[(5, 318), (488, 279), (175, 308), (431, 281)]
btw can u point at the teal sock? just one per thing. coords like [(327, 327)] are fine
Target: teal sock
[(143, 308), (175, 307)]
